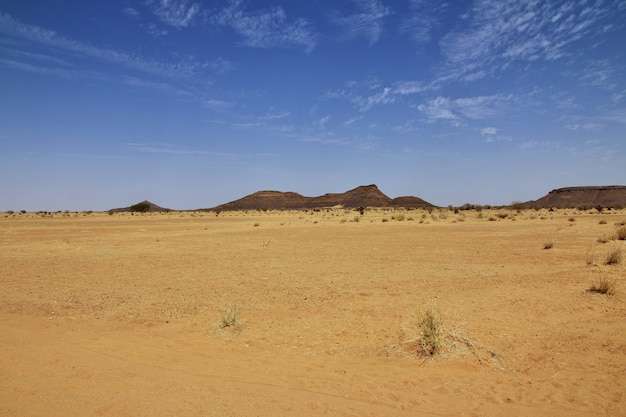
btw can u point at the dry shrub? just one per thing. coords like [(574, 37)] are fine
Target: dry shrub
[(548, 244), (603, 286), (230, 316), (620, 233), (614, 256), (430, 323), (434, 340)]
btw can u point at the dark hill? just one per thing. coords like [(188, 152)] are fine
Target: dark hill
[(584, 197), (363, 196), (143, 207)]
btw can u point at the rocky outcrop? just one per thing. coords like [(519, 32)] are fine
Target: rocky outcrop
[(363, 196), (584, 197)]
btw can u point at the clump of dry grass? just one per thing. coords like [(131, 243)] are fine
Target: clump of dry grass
[(230, 316), (603, 286), (614, 256), (430, 323), (434, 340), (548, 243), (620, 233)]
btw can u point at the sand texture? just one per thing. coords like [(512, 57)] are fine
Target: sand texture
[(119, 315)]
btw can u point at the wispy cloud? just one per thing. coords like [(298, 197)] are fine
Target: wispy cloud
[(411, 87), (501, 32), (456, 110), (266, 29), (76, 48), (177, 151), (491, 135), (366, 22), (602, 74), (439, 109), (215, 104), (176, 13), (424, 17)]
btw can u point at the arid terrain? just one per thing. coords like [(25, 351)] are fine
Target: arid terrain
[(123, 314)]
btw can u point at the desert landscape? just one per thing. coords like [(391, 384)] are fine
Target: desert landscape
[(314, 312)]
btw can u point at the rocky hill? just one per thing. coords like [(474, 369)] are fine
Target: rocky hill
[(583, 197), (143, 207), (363, 196)]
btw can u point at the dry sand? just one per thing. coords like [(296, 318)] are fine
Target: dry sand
[(118, 315)]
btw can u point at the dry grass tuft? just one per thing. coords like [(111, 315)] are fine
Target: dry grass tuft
[(434, 340), (230, 316), (614, 256), (603, 286), (430, 323)]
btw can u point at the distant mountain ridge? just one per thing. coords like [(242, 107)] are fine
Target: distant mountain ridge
[(584, 197), (608, 196), (362, 196)]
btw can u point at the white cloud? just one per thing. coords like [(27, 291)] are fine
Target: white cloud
[(217, 104), (481, 107), (424, 17), (367, 22), (488, 131), (352, 121), (267, 29), (384, 97), (177, 13), (437, 109), (130, 11), (411, 87), (501, 32), (57, 42)]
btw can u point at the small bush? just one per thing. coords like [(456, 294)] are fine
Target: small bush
[(602, 222), (603, 239), (548, 244), (230, 316), (614, 256), (431, 336), (620, 233), (603, 286)]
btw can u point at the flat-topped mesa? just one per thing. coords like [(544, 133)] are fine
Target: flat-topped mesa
[(583, 197), (362, 196)]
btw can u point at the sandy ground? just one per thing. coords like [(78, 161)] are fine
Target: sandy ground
[(119, 315)]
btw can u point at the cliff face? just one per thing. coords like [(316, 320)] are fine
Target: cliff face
[(592, 196), (363, 196)]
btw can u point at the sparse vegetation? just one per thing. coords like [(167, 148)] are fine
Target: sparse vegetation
[(614, 256), (429, 322), (230, 316), (603, 286), (620, 233), (548, 243)]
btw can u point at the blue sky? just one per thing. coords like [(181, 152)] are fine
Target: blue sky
[(191, 104)]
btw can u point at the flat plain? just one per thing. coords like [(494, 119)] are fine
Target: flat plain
[(119, 315)]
